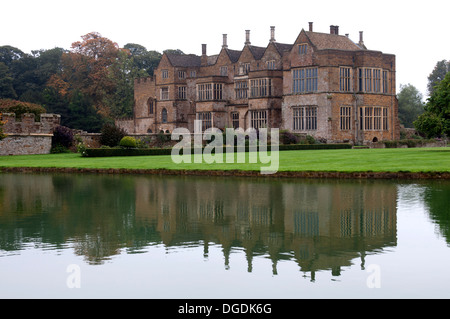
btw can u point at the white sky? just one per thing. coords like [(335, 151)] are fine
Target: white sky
[(415, 31)]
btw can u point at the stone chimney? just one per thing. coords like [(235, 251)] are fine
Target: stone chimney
[(334, 29), (247, 37), (361, 40), (310, 27), (204, 59), (272, 34), (225, 45)]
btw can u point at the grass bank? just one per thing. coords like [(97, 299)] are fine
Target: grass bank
[(314, 163)]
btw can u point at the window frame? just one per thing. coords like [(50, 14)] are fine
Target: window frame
[(305, 118), (305, 80), (374, 118), (261, 87), (345, 79), (303, 48), (206, 118), (164, 93), (345, 118), (259, 119), (164, 116)]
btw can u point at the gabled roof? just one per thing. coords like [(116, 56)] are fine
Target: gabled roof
[(184, 60), (212, 59), (257, 52), (233, 55), (323, 41), (282, 47)]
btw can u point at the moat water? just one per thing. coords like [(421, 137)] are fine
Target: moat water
[(101, 236)]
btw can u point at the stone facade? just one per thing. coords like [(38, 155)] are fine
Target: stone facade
[(324, 85), (28, 136), (26, 144)]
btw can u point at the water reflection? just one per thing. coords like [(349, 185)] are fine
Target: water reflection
[(320, 225)]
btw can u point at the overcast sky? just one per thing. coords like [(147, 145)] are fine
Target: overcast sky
[(417, 32)]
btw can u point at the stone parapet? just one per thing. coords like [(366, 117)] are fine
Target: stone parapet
[(27, 124)]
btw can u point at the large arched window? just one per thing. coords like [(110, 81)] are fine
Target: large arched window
[(164, 115)]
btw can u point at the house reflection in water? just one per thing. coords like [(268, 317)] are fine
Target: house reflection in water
[(321, 225)]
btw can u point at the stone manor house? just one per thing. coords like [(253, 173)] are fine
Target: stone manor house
[(323, 85)]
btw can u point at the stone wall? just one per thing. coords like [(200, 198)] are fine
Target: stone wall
[(26, 136), (27, 124), (26, 144)]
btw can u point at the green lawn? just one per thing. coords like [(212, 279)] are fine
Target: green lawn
[(353, 160)]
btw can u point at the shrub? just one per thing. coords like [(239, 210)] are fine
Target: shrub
[(58, 149), (287, 138), (162, 138), (111, 135), (62, 136), (110, 152), (128, 142), (19, 108)]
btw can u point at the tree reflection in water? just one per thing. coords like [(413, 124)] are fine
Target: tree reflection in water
[(320, 225)]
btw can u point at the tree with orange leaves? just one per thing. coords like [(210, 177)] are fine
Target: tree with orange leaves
[(86, 69)]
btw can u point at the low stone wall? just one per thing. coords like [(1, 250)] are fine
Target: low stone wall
[(90, 140), (26, 144)]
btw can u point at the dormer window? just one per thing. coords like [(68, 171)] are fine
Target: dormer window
[(303, 49)]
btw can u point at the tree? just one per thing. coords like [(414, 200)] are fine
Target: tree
[(435, 122), (437, 75), (410, 104), (142, 59), (174, 51), (85, 69), (6, 83), (122, 73)]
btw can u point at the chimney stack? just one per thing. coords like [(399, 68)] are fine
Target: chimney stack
[(204, 58), (361, 40), (225, 45), (332, 30), (247, 37), (272, 34), (310, 27), (203, 49)]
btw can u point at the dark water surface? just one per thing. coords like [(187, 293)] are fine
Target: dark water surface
[(99, 236)]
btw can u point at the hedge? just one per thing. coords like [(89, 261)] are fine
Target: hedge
[(409, 143), (110, 152)]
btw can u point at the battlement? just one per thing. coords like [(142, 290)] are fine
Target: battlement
[(27, 124), (143, 81)]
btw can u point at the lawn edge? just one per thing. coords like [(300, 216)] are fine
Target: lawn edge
[(236, 173)]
